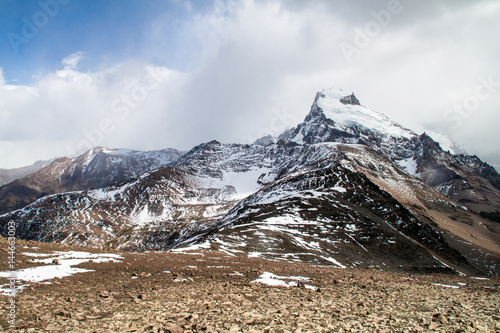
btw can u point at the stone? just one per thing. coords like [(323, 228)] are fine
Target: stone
[(174, 329), (433, 325), (234, 329), (440, 318), (63, 313), (46, 318), (389, 304)]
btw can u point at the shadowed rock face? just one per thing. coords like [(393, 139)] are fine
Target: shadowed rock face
[(464, 179), (351, 99), (366, 193)]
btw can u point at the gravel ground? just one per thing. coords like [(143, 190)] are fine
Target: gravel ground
[(213, 292)]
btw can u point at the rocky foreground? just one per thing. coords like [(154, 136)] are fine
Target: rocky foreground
[(213, 292)]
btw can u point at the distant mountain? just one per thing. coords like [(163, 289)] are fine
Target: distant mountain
[(465, 179), (162, 208), (346, 187), (8, 175), (96, 168)]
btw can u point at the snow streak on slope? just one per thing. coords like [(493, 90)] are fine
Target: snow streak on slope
[(324, 213)]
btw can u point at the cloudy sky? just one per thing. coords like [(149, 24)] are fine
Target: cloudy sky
[(175, 73)]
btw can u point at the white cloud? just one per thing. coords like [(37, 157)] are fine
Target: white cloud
[(71, 62), (69, 111), (258, 66)]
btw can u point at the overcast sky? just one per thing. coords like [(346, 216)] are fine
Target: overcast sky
[(156, 74)]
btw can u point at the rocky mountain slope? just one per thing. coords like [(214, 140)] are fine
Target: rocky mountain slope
[(161, 208), (465, 179), (341, 212), (347, 187), (96, 168)]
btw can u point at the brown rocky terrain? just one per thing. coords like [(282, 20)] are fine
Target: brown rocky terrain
[(214, 292)]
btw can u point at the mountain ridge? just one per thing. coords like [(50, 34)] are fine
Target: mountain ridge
[(95, 168), (360, 188)]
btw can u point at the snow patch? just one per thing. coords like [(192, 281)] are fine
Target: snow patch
[(339, 189), (50, 271), (445, 285), (245, 183), (273, 280), (409, 165), (192, 247)]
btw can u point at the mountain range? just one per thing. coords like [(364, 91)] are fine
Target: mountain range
[(347, 187), (96, 168)]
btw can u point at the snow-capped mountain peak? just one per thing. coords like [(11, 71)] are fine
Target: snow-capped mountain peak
[(337, 116), (346, 111)]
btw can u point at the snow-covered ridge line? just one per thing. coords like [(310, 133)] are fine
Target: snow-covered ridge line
[(347, 115)]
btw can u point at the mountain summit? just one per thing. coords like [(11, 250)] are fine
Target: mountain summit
[(347, 187), (338, 117)]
